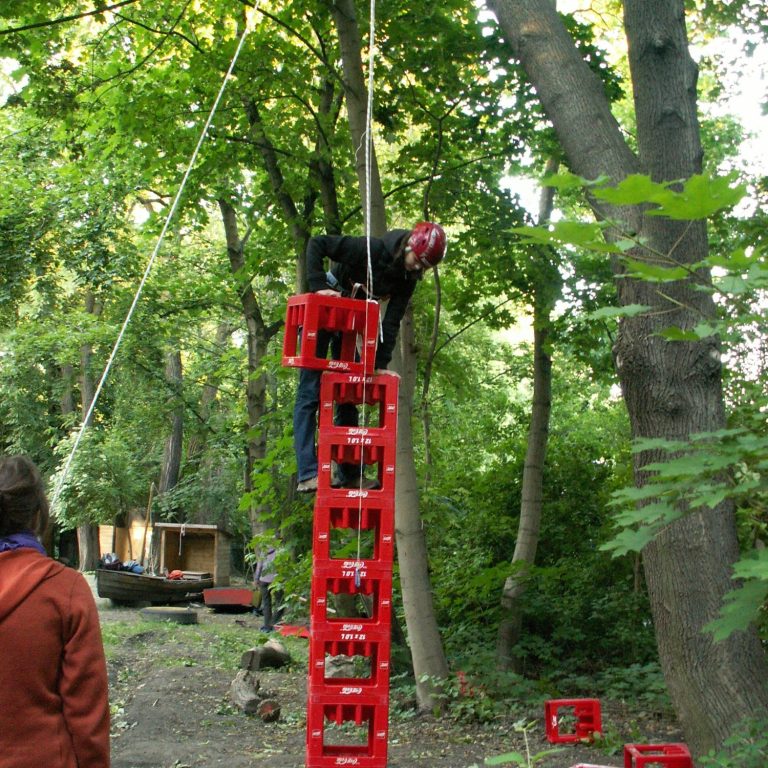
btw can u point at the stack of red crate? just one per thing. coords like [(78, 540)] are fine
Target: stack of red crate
[(353, 541)]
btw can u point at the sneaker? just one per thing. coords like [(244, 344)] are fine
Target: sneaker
[(307, 486), (364, 485)]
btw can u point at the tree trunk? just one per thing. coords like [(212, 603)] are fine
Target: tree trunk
[(510, 626), (197, 440), (426, 646), (67, 400), (295, 222), (672, 390), (356, 93), (545, 290), (171, 466), (88, 533), (429, 662), (426, 416), (258, 336)]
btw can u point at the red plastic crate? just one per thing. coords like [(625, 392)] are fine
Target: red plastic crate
[(668, 755), (363, 575), (357, 449), (349, 518), (587, 719), (375, 390), (368, 713), (377, 590), (350, 445), (325, 643), (309, 313)]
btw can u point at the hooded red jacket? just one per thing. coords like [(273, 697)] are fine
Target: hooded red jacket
[(54, 709)]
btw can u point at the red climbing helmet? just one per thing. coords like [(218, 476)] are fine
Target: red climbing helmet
[(427, 241)]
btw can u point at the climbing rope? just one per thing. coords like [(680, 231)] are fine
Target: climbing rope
[(368, 138), (249, 26)]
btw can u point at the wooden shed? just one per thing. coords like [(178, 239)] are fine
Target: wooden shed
[(192, 547), (130, 542)]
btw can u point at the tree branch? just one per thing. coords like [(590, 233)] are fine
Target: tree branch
[(65, 19), (470, 324)]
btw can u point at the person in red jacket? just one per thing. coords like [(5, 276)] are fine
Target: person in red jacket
[(54, 708)]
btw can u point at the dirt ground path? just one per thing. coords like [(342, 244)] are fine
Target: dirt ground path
[(169, 691)]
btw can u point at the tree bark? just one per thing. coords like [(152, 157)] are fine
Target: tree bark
[(429, 663), (545, 291), (88, 533), (672, 390)]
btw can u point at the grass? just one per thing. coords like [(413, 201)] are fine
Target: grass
[(219, 645)]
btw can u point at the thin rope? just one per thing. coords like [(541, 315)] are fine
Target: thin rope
[(369, 269), (249, 26)]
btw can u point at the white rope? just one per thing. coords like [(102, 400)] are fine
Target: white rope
[(369, 271), (250, 23)]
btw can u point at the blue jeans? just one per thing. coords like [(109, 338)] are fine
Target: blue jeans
[(305, 415)]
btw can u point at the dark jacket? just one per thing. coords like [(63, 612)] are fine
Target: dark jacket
[(390, 281), (54, 710)]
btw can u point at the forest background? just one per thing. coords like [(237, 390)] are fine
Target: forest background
[(539, 547)]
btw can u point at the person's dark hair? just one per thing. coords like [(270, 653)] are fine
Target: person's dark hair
[(23, 504)]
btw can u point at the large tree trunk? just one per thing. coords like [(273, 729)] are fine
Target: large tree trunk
[(672, 390), (88, 533), (545, 291)]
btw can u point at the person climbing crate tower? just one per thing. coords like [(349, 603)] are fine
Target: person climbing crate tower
[(347, 716)]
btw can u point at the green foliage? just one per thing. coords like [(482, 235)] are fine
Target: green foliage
[(746, 748), (526, 760), (103, 482)]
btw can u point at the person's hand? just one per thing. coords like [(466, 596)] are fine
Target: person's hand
[(385, 372), (328, 292)]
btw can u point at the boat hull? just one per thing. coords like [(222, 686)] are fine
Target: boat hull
[(127, 587)]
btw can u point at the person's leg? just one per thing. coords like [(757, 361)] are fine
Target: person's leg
[(266, 606), (278, 609), (345, 416), (305, 423), (305, 415)]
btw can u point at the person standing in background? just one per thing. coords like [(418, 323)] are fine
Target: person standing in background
[(264, 576)]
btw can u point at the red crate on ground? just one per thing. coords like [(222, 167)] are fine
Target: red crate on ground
[(375, 596), (370, 667), (309, 313), (375, 390), (367, 524), (361, 731), (586, 720), (667, 755)]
